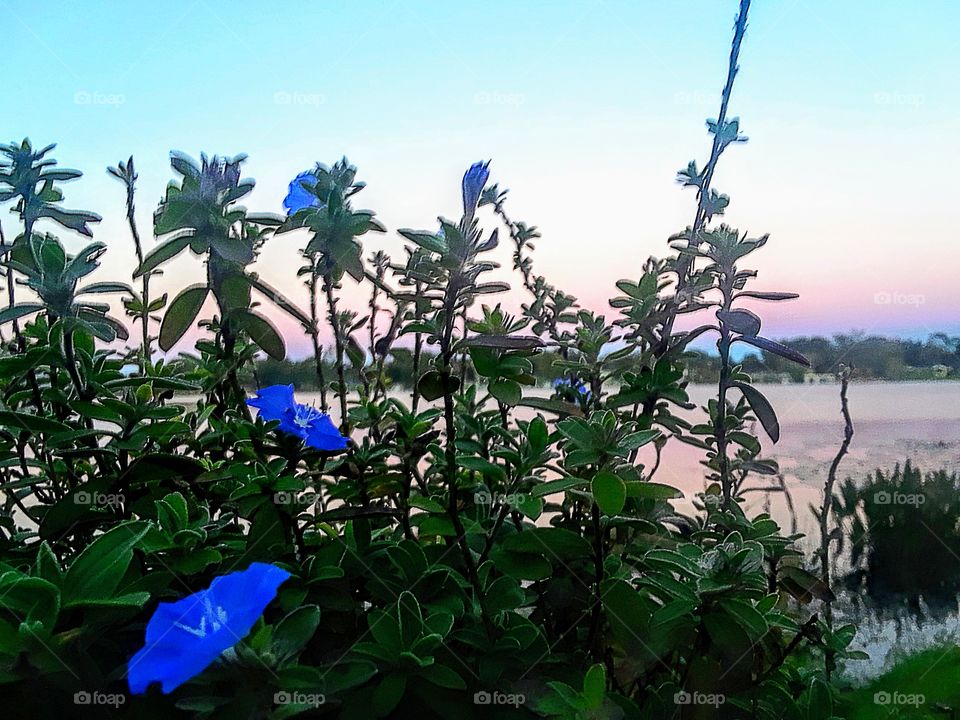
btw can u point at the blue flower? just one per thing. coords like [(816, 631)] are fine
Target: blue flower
[(572, 389), (474, 180), (315, 428), (298, 197), (187, 636)]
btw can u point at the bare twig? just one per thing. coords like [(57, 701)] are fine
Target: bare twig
[(828, 503)]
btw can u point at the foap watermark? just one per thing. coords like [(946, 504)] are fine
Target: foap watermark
[(512, 499), (88, 97), (898, 698), (495, 697), (288, 497), (287, 97), (295, 697), (698, 698), (114, 700), (898, 98), (897, 498), (98, 499), (486, 97), (888, 297)]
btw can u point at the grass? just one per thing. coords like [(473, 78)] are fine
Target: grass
[(933, 675)]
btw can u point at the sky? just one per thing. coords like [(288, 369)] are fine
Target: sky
[(587, 110)]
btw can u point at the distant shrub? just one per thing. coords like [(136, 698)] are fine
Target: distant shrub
[(903, 533)]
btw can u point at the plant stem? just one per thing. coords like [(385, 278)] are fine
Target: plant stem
[(11, 292), (417, 351), (594, 644), (720, 427), (315, 338), (69, 355), (685, 261), (146, 346), (338, 340), (450, 449)]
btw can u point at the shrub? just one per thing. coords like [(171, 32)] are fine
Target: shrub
[(902, 532), (476, 549)]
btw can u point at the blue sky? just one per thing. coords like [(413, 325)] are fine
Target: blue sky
[(587, 109)]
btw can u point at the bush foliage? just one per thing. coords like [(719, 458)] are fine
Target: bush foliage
[(476, 550)]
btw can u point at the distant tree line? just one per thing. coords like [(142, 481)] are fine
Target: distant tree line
[(872, 358)]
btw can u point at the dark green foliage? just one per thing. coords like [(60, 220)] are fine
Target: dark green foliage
[(473, 546), (902, 533)]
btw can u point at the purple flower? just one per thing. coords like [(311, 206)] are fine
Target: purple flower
[(473, 182), (298, 197), (315, 428), (185, 637)]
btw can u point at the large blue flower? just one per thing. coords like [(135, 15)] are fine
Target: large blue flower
[(315, 428), (187, 636), (474, 180), (298, 197)]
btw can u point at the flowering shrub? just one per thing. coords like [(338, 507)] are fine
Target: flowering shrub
[(474, 549)]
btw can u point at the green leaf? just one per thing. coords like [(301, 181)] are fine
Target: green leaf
[(31, 423), (18, 311), (181, 313), (639, 439), (481, 465), (445, 677), (35, 599), (388, 694), (98, 569), (161, 254), (555, 486), (105, 287), (426, 240), (551, 405), (280, 300), (609, 491), (506, 391), (803, 585), (262, 332), (431, 385), (652, 491), (740, 321), (747, 617), (818, 700), (776, 348), (293, 633), (504, 342), (762, 409), (595, 685), (552, 543)]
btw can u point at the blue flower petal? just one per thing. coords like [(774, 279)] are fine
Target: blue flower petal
[(298, 197), (183, 638), (474, 180), (298, 419), (323, 435), (273, 401)]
